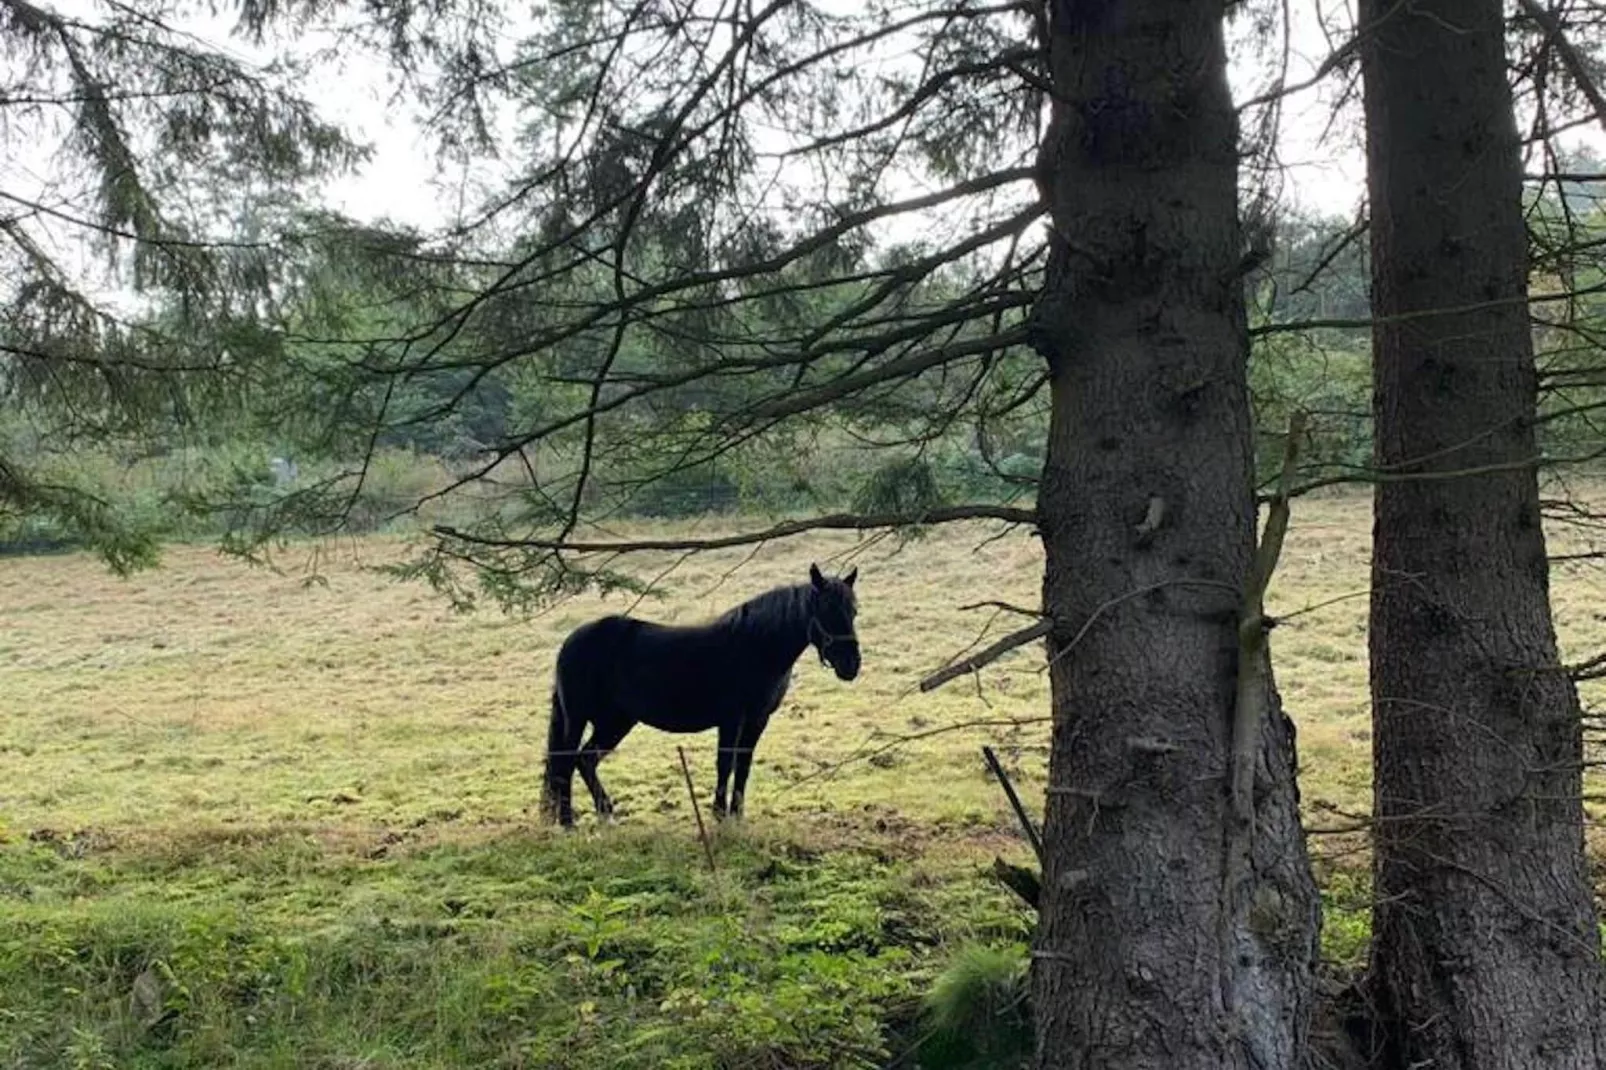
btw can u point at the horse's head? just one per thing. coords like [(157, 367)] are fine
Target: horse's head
[(832, 607)]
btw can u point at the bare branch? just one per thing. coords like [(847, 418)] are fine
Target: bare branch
[(1335, 59), (1301, 326), (834, 522), (988, 654), (1254, 665), (1007, 607), (799, 401)]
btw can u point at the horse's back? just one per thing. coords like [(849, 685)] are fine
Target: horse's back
[(671, 677), (617, 651)]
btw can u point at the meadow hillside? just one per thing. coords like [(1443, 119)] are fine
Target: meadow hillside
[(286, 817)]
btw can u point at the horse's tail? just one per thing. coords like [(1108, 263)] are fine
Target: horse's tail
[(562, 740), (554, 729)]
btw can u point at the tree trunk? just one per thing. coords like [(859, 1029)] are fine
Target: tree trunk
[(1485, 949), (1153, 951)]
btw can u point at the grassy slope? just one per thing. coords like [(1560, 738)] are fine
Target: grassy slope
[(298, 817)]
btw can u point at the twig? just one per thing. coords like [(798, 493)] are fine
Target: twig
[(1007, 607), (1312, 607), (697, 811), (1335, 59), (1014, 800), (987, 654), (981, 695), (1127, 596), (1366, 323), (652, 584), (794, 402), (1590, 669)]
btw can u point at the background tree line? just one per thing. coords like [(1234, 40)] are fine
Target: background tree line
[(1309, 307), (846, 465)]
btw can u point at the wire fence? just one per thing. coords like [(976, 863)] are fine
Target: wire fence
[(874, 746)]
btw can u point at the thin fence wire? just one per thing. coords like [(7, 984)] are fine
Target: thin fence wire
[(865, 752)]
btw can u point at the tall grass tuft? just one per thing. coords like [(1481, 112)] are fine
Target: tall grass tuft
[(977, 1013)]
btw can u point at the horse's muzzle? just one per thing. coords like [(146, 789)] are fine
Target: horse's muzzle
[(844, 658)]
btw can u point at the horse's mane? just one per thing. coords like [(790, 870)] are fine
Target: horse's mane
[(782, 609)]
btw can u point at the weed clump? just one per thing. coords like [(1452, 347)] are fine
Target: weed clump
[(977, 1013)]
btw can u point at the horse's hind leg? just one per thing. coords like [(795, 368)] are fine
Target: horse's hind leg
[(558, 799), (604, 738), (563, 737)]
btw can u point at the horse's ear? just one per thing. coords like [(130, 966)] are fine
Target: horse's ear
[(853, 574), (815, 577)]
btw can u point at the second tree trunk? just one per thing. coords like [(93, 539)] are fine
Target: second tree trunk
[(1485, 949)]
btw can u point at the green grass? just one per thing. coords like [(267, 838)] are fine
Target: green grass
[(251, 820), (512, 949)]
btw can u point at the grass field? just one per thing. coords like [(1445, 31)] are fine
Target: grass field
[(251, 820)]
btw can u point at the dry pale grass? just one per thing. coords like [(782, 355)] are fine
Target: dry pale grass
[(210, 693)]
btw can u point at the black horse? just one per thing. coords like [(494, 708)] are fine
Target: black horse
[(731, 674)]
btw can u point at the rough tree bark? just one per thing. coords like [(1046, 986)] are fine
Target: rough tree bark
[(1146, 957), (1485, 949)]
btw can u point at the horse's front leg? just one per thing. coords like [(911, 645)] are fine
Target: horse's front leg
[(744, 762), (724, 763), (747, 743)]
